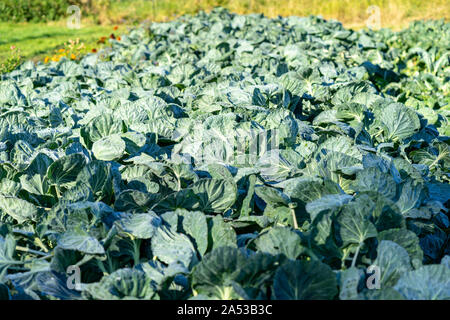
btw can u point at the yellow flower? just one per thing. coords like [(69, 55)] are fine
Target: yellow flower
[(61, 50), (46, 59), (73, 57)]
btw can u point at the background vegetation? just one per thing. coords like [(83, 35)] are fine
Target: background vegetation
[(352, 13), (38, 27), (46, 10)]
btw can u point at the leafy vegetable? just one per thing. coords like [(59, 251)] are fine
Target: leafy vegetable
[(223, 156)]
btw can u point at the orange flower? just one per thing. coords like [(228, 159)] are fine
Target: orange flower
[(94, 50), (73, 57), (61, 50), (46, 59), (116, 27), (119, 38), (112, 36), (101, 40)]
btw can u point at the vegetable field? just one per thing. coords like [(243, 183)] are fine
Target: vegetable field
[(223, 156)]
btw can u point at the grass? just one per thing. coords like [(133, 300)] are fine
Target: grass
[(37, 40)]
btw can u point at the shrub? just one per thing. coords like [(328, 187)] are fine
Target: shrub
[(45, 10)]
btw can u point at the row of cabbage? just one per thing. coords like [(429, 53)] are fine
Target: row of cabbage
[(221, 156)]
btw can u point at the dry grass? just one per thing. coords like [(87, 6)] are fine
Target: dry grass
[(352, 13)]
